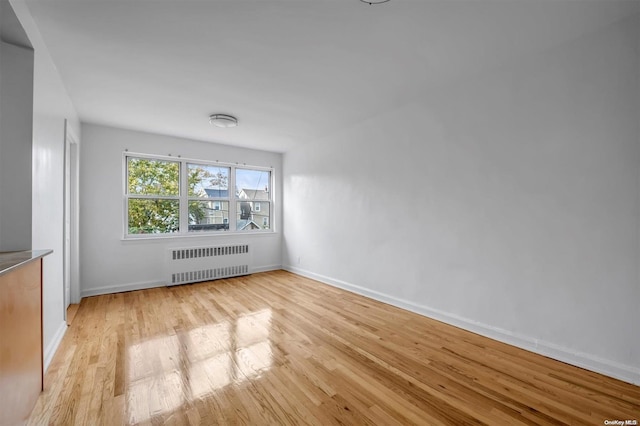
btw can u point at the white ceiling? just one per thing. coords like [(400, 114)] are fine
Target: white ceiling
[(290, 70)]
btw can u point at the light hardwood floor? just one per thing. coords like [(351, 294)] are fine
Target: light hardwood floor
[(72, 310), (276, 348)]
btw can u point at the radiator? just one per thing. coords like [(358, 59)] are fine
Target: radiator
[(193, 264)]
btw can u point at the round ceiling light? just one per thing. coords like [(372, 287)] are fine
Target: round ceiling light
[(223, 120), (370, 2)]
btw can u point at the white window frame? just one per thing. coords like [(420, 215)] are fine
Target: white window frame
[(128, 196), (253, 202), (219, 200), (183, 198), (256, 206)]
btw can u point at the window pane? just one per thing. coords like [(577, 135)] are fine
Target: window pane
[(208, 215), (248, 218), (153, 177), (208, 181), (253, 184), (150, 216)]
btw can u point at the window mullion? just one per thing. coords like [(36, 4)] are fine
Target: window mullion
[(271, 200), (232, 200), (184, 198)]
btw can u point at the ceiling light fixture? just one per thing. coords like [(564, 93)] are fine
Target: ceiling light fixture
[(223, 120), (370, 2)]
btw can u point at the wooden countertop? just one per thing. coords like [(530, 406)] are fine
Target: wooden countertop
[(10, 260)]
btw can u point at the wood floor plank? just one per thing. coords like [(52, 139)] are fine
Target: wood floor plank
[(277, 348)]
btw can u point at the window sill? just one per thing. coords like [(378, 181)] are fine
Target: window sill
[(164, 238)]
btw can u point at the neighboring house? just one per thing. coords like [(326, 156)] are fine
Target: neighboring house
[(256, 208), (253, 211), (217, 193), (254, 194), (247, 224), (216, 212)]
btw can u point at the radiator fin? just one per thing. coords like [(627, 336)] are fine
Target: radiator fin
[(209, 274), (195, 253)]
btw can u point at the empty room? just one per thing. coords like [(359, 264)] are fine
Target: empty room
[(323, 212)]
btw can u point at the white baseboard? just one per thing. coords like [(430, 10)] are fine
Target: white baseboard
[(119, 288), (590, 362), (142, 285), (265, 268), (52, 347)]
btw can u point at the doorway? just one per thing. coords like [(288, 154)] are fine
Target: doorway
[(71, 271)]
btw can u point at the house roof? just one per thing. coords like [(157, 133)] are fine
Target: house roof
[(254, 194), (223, 193), (243, 224)]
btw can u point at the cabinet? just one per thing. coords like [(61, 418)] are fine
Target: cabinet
[(21, 368)]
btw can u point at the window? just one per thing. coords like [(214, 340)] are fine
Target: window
[(208, 197), (253, 190), (182, 197), (153, 196)]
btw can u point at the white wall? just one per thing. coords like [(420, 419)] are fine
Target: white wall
[(51, 106), (16, 114), (507, 203), (109, 263)]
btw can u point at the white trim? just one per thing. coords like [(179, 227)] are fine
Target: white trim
[(607, 367), (120, 288), (197, 160), (70, 132), (144, 285), (72, 157), (52, 347), (265, 268), (160, 238)]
